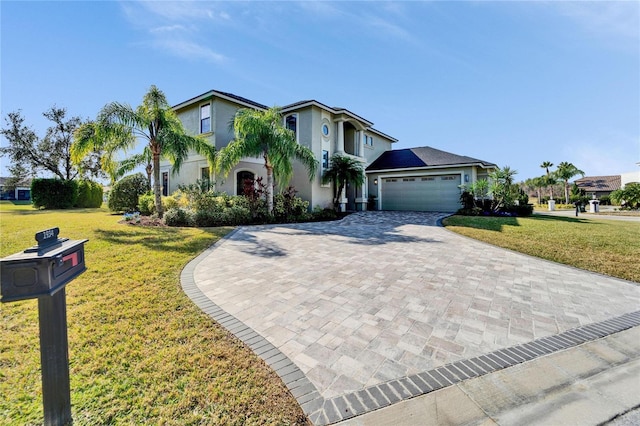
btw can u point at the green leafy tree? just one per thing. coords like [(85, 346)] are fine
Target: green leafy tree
[(565, 172), (261, 134), (29, 153), (119, 127), (343, 169)]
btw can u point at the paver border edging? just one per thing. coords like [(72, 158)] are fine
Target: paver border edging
[(321, 411), (298, 384)]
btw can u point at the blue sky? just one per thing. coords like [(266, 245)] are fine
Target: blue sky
[(514, 83)]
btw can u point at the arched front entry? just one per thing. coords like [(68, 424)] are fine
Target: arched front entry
[(241, 177)]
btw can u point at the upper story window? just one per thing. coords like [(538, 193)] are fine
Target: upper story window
[(205, 118), (325, 159), (368, 140), (291, 123)]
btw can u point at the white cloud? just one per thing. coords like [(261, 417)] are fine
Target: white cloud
[(188, 50), (619, 19), (174, 26)]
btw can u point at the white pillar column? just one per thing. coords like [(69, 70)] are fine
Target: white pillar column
[(340, 141), (343, 200), (361, 143)]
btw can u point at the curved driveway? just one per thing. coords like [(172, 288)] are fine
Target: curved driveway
[(380, 296)]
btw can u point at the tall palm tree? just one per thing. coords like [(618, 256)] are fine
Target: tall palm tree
[(119, 127), (262, 134), (565, 172), (343, 169), (549, 181)]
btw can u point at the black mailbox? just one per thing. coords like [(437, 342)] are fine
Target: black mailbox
[(41, 270)]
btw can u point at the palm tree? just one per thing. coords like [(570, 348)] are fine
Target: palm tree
[(565, 172), (262, 134), (119, 127), (550, 181), (343, 169), (130, 164)]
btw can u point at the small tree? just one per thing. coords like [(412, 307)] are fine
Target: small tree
[(502, 189), (343, 169)]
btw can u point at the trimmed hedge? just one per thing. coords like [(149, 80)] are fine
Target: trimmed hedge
[(124, 194), (54, 193), (89, 194)]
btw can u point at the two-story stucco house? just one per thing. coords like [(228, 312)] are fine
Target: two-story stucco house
[(417, 179)]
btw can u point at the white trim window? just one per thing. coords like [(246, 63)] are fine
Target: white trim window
[(291, 123), (368, 140), (205, 118)]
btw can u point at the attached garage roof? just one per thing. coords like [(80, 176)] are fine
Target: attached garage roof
[(422, 157)]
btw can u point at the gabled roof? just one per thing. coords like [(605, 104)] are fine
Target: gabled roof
[(223, 95), (412, 158), (333, 110), (599, 183)]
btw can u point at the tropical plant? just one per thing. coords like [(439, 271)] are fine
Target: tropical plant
[(629, 197), (565, 172), (261, 134), (118, 128), (550, 180), (502, 190), (343, 169)]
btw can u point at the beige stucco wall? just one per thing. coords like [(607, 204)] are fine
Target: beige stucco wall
[(310, 120)]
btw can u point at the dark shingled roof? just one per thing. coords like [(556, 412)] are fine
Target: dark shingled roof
[(421, 157), (599, 183)]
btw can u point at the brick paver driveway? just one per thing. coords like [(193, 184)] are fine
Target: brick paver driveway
[(383, 295)]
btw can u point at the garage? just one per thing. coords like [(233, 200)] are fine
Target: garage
[(439, 193)]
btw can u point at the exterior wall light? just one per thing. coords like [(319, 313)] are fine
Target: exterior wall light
[(375, 181)]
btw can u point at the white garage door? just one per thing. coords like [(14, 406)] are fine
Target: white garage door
[(421, 193)]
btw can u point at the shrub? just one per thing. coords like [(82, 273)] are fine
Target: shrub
[(289, 208), (170, 202), (124, 194), (320, 214), (54, 193), (147, 204), (237, 215), (178, 217), (605, 200), (89, 194)]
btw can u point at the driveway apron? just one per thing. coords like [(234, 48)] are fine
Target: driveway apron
[(353, 314)]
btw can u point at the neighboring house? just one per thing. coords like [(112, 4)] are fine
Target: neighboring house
[(599, 186), (327, 130), (629, 177), (21, 192)]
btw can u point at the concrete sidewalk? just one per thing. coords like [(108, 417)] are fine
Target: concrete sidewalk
[(585, 385)]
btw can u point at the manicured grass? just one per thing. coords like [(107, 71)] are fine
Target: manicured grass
[(606, 246), (140, 351)]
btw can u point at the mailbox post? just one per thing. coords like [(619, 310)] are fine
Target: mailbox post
[(42, 272)]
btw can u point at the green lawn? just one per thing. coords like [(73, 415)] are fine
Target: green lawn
[(606, 246), (140, 351)]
